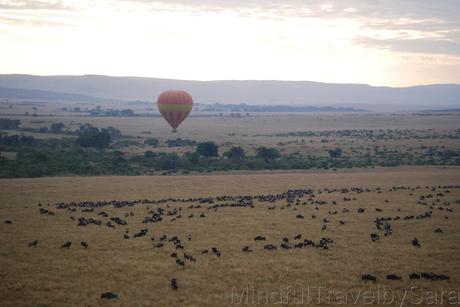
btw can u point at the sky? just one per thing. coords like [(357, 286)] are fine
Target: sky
[(377, 42)]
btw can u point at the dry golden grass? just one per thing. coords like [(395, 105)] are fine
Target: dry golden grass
[(140, 275), (232, 128)]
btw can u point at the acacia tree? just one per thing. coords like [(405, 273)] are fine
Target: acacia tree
[(57, 127), (93, 137), (268, 154), (335, 153), (235, 153), (207, 149)]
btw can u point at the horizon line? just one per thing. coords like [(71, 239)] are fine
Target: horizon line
[(221, 80)]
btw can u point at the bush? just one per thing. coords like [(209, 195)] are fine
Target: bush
[(150, 154), (9, 124), (193, 157), (207, 149), (93, 137), (152, 142), (57, 127), (235, 153), (268, 154), (180, 142), (114, 132), (335, 153)]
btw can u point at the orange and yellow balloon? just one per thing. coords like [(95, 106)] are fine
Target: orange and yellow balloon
[(175, 106)]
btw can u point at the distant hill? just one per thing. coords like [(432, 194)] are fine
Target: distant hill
[(249, 92), (16, 93)]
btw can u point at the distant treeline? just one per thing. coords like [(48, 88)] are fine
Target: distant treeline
[(93, 153), (272, 108), (53, 128), (380, 134)]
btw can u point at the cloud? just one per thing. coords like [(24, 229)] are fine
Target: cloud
[(446, 9), (32, 22), (33, 5), (428, 26), (424, 46), (373, 37)]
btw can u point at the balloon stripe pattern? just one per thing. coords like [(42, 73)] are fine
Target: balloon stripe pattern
[(175, 106)]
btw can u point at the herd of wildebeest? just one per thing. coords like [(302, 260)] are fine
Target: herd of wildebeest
[(430, 199)]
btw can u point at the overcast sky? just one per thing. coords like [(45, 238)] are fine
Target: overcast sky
[(379, 42)]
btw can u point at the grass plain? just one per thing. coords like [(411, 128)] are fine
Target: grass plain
[(47, 275), (140, 275)]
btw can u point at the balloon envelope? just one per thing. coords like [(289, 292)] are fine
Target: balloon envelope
[(175, 106)]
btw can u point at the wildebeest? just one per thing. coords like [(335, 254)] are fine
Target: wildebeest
[(433, 276), (368, 277), (215, 251), (414, 276), (109, 296), (141, 233), (374, 237), (416, 243), (67, 244), (174, 285), (84, 244), (33, 243), (247, 249), (180, 262), (393, 277)]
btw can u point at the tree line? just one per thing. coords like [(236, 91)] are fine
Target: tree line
[(93, 153)]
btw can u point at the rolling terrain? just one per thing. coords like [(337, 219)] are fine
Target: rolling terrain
[(269, 92)]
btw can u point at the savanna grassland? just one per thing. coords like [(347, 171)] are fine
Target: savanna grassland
[(333, 212), (140, 145), (332, 197)]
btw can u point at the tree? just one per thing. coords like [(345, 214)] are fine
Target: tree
[(127, 112), (9, 124), (57, 127), (207, 149), (235, 153), (335, 153), (180, 142), (193, 157), (43, 129), (152, 142), (267, 154), (93, 137), (168, 161), (114, 132), (149, 154)]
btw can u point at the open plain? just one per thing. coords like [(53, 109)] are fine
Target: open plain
[(316, 227)]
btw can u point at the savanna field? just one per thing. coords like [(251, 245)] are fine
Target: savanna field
[(314, 230), (330, 234)]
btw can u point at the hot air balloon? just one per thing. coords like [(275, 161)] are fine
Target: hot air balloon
[(175, 106)]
